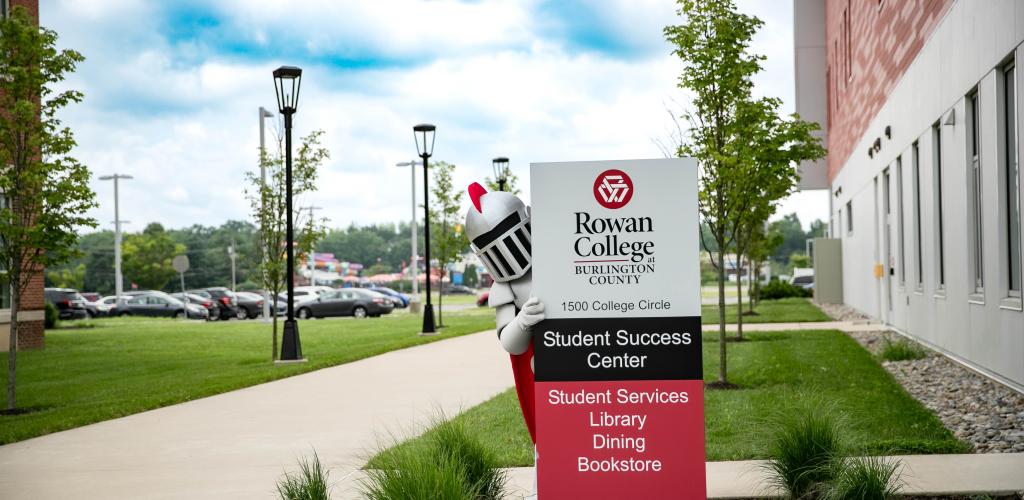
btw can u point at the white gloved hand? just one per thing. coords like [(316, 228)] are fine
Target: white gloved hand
[(515, 336), (531, 313)]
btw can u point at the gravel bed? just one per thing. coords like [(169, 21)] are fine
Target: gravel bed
[(979, 411), (841, 312)]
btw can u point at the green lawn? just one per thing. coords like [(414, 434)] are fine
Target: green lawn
[(776, 372), (128, 365), (768, 311)]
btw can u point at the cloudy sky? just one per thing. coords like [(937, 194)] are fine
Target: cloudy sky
[(173, 88)]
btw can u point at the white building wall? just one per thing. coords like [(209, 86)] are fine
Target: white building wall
[(986, 331)]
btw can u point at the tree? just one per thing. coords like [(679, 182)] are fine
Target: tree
[(793, 237), (46, 189), (68, 277), (763, 243), (511, 183), (713, 44), (744, 150), (146, 257), (449, 239), (268, 203), (773, 147), (470, 276)]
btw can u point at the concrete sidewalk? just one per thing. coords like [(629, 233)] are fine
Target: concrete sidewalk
[(237, 444), (923, 475), (846, 326)]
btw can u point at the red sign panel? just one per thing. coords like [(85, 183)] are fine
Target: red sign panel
[(620, 440)]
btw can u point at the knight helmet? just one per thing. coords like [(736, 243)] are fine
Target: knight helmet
[(498, 226)]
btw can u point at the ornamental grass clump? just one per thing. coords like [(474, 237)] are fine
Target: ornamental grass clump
[(804, 453), (865, 478), (901, 350), (310, 483), (451, 465)]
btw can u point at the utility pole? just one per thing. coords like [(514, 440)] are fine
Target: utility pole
[(118, 280), (232, 255), (414, 301), (312, 253), (263, 183)]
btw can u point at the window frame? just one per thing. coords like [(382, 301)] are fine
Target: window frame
[(940, 243), (918, 247), (975, 193), (849, 217), (1010, 180), (901, 221)]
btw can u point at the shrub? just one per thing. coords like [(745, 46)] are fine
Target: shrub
[(310, 483), (450, 465), (776, 289), (804, 452), (50, 316), (865, 478), (480, 466), (901, 350), (408, 473)]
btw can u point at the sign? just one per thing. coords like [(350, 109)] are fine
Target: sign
[(619, 385), (180, 263)]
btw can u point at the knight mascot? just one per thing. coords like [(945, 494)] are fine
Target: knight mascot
[(498, 226)]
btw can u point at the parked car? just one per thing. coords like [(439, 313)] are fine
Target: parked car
[(160, 304), (212, 306), (457, 290), (301, 294), (401, 300), (98, 309), (226, 300), (90, 296), (806, 281), (250, 305), (481, 300), (69, 304), (346, 302)]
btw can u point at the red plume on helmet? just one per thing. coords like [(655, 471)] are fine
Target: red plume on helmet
[(475, 192)]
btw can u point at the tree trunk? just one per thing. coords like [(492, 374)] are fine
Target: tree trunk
[(440, 293), (721, 314), (754, 280), (273, 352), (739, 296), (12, 351)]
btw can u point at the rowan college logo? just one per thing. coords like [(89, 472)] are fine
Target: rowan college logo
[(613, 189)]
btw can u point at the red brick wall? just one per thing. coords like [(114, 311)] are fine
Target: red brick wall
[(870, 44), (30, 333)]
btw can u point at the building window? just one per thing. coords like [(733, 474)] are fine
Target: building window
[(940, 250), (1012, 180), (899, 214), (918, 250), (849, 217), (5, 283), (974, 183)]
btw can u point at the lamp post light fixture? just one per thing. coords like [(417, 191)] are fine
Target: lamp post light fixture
[(287, 82), (500, 166), (414, 302), (424, 135)]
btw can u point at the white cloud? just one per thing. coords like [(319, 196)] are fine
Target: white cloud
[(182, 117)]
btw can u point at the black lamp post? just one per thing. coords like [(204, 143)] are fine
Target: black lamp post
[(500, 166), (287, 81), (424, 134)]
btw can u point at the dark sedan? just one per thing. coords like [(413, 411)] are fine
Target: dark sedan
[(401, 300), (250, 305), (226, 300), (69, 304), (346, 302), (211, 305), (160, 304)]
